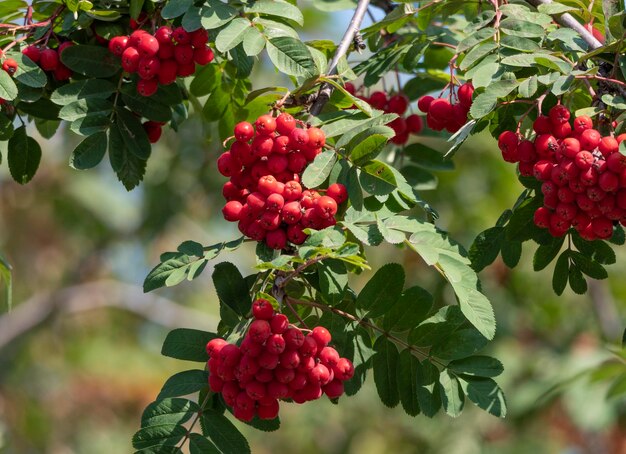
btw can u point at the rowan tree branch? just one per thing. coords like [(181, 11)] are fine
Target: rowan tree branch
[(95, 295), (348, 37), (567, 20)]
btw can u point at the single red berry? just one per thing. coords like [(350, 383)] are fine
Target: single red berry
[(590, 139), (33, 53), (199, 38), (259, 331), (186, 69), (276, 239), (268, 185), (559, 114), (295, 234), (329, 357), (181, 36), (147, 45), (243, 131), (166, 51), (270, 221), (183, 54), (441, 109), (465, 94), (424, 102), (49, 60), (294, 338), (317, 138), (338, 192), (582, 123), (542, 125), (285, 123), (378, 100), (164, 35), (326, 207), (147, 87), (130, 59), (542, 217), (148, 67), (118, 44), (268, 411), (291, 213), (214, 346), (10, 66), (265, 125), (398, 104), (279, 323), (135, 37), (414, 124), (562, 130), (203, 55), (268, 360), (319, 375), (167, 72), (334, 389), (154, 130), (322, 336), (608, 145), (309, 347)]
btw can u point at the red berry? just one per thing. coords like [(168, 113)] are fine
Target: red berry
[(10, 66), (148, 67), (214, 346), (582, 123), (378, 100), (268, 360), (276, 239), (275, 344), (181, 36), (259, 331), (398, 104), (265, 125), (293, 190), (130, 59), (326, 207), (154, 130), (291, 213), (147, 87), (262, 309), (608, 145), (319, 375), (294, 338), (268, 185), (199, 38), (118, 44), (164, 34), (322, 336), (268, 411), (295, 234), (414, 124), (244, 131), (33, 53), (167, 72), (49, 60), (203, 55), (465, 93), (270, 221), (309, 347), (440, 109), (334, 389), (338, 192), (559, 114), (424, 102), (542, 217), (183, 54), (285, 123), (542, 125), (329, 357), (166, 51), (317, 138), (279, 323), (148, 46), (590, 139)]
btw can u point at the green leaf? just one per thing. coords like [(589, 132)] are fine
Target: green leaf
[(232, 34), (291, 56), (6, 275), (385, 365), (561, 272), (136, 7), (168, 411), (409, 368), (554, 8), (480, 366), (200, 445), (358, 349), (28, 72), (588, 266), (377, 178), (437, 327), (367, 144), (183, 383), (426, 157), (459, 344), (382, 291), (89, 152), (231, 288), (486, 394), (409, 310), (428, 389), (216, 13), (24, 155), (8, 89), (187, 344), (546, 253), (253, 42), (318, 171), (576, 280), (277, 8), (150, 107), (133, 134), (162, 436), (522, 28), (486, 247), (333, 280), (128, 167), (451, 394), (6, 128), (223, 433), (175, 9), (92, 61), (483, 105), (85, 107), (82, 89)]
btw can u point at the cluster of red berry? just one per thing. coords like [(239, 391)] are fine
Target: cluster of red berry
[(275, 361), (583, 173), (442, 114), (398, 104), (162, 57), (264, 193), (49, 59)]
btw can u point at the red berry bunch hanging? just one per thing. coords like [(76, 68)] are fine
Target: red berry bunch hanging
[(161, 57), (398, 104), (275, 361), (583, 174), (50, 60), (264, 193), (442, 114)]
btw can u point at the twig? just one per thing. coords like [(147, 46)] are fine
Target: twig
[(353, 28), (96, 295), (567, 20)]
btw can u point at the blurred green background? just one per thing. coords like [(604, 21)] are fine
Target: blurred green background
[(79, 354)]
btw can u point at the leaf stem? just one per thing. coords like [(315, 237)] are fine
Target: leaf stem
[(196, 419), (417, 351), (355, 23)]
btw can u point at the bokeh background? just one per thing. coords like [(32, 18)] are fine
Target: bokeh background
[(79, 353)]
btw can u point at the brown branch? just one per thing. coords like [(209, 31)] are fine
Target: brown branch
[(348, 37), (97, 295)]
